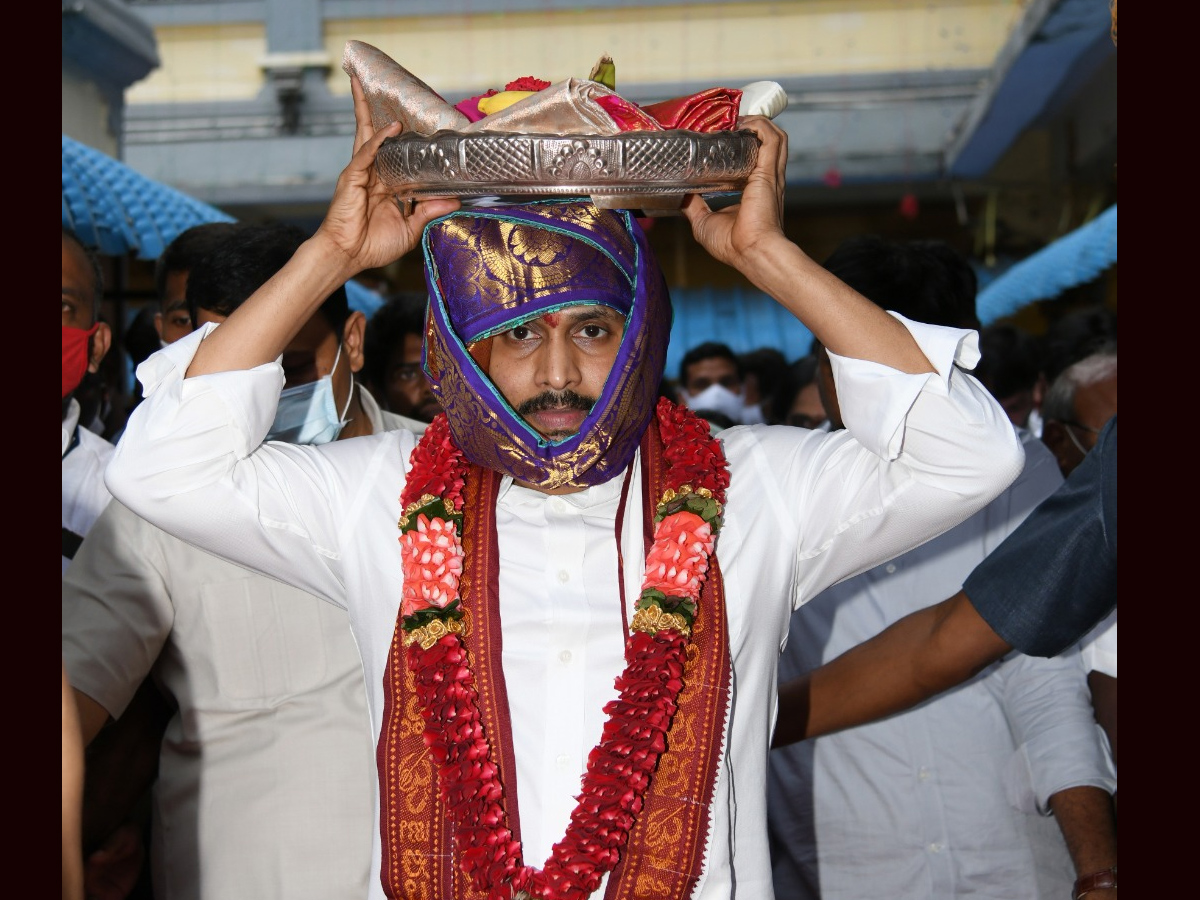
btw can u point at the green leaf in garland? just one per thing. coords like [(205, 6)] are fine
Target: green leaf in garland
[(423, 617), (434, 509), (707, 508), (681, 605)]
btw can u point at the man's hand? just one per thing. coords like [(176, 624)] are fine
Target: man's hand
[(112, 871), (731, 233), (365, 223), (364, 228)]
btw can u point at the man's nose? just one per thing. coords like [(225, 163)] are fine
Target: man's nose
[(557, 367)]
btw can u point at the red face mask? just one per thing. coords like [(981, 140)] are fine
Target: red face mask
[(75, 343)]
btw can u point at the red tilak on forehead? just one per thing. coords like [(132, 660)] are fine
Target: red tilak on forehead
[(551, 319)]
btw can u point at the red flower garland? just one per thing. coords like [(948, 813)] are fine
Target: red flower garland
[(634, 736)]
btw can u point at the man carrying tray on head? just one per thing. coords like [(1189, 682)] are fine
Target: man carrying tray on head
[(571, 688)]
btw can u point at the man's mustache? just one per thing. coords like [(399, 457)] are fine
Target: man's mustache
[(556, 400)]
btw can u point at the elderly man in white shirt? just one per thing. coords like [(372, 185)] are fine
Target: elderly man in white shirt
[(547, 339)]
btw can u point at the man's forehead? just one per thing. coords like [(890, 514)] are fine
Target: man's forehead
[(1097, 397), (573, 314), (711, 364), (175, 290), (78, 278)]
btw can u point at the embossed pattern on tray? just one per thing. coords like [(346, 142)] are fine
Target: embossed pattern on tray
[(651, 167)]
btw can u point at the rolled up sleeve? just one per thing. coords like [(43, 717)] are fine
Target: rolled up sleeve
[(919, 454), (1058, 743), (877, 399)]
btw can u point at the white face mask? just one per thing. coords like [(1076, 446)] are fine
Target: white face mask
[(753, 415), (307, 413), (718, 398)]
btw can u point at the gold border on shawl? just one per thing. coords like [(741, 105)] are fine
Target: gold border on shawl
[(666, 850)]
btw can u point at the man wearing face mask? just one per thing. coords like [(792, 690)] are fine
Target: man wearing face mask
[(84, 343), (710, 379), (271, 722)]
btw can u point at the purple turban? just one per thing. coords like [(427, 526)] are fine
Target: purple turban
[(491, 269)]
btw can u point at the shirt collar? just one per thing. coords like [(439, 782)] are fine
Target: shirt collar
[(370, 409), (69, 423), (589, 498)]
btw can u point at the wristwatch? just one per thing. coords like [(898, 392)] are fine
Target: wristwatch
[(1085, 884)]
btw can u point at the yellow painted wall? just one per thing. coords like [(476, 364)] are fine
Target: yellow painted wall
[(721, 44), (204, 62)]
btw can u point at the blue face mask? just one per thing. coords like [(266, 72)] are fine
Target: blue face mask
[(307, 413)]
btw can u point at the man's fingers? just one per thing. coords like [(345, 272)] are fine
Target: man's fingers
[(426, 211), (363, 129), (364, 157), (771, 167), (695, 209)]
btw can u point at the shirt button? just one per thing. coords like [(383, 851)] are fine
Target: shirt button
[(935, 848), (923, 774), (564, 576), (890, 568), (562, 760), (565, 656), (558, 504)]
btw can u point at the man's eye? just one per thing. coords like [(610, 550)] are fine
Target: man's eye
[(593, 331), (520, 333)]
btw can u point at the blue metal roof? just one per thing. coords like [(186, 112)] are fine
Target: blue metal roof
[(1073, 259), (118, 211)]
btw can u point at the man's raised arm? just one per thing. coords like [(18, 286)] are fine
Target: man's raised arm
[(749, 236), (365, 227)]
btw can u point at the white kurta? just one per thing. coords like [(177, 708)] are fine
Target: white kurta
[(805, 509)]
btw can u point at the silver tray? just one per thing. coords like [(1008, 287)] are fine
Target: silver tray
[(648, 170)]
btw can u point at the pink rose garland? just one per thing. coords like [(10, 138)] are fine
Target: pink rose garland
[(432, 562)]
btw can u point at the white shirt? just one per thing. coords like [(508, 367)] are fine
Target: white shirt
[(84, 456), (950, 798), (804, 509), (1099, 646), (383, 419), (271, 725)]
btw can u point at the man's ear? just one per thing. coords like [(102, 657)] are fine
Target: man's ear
[(1039, 391), (158, 324), (1054, 436), (99, 346), (352, 339)]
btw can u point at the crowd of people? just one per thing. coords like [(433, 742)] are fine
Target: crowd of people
[(473, 599)]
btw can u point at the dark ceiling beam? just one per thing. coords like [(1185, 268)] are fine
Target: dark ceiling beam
[(1057, 42)]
